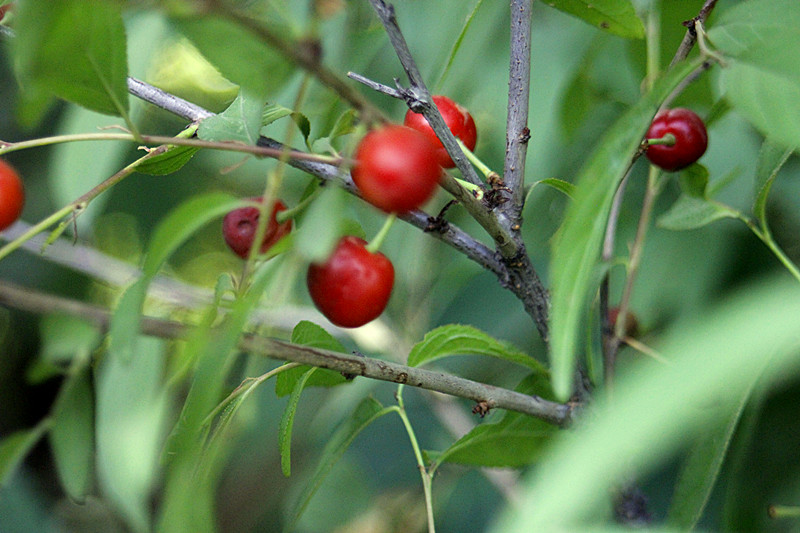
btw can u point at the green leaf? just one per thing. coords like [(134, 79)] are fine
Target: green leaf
[(771, 159), (457, 339), (170, 161), (76, 49), (132, 406), (72, 434), (615, 16), (273, 112), (182, 222), (310, 334), (457, 45), (65, 339), (694, 180), (515, 440), (689, 213), (365, 413), (560, 185), (759, 39), (287, 422), (14, 448), (323, 225), (239, 55), (241, 121), (715, 357), (702, 467), (577, 244)]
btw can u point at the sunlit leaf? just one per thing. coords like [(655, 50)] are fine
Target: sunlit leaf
[(88, 67), (241, 121), (615, 16), (457, 339)]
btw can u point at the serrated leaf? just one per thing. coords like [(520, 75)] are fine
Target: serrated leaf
[(364, 414), (287, 421), (241, 121), (771, 159), (577, 245), (237, 53), (691, 213), (88, 67), (759, 40), (457, 339), (72, 434), (515, 440), (615, 16), (170, 161), (14, 448), (309, 334)]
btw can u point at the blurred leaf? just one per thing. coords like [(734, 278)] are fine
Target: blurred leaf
[(241, 121), (577, 245), (14, 448), (457, 339), (715, 357), (170, 161), (365, 413), (238, 54), (322, 225), (515, 440), (694, 180), (759, 39), (457, 45), (131, 411), (702, 468), (287, 422), (771, 159), (273, 112), (310, 334), (615, 16), (181, 223), (88, 67), (72, 433), (64, 339), (689, 212), (560, 185)]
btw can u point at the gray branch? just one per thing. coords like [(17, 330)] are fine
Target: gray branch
[(490, 396), (519, 82)]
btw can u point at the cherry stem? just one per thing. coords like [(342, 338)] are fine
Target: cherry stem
[(377, 241), (477, 163), (666, 140), (293, 212), (783, 511)]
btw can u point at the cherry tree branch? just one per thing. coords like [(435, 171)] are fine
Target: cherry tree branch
[(691, 35), (493, 397), (519, 82)]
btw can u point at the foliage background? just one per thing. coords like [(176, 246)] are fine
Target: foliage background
[(582, 80)]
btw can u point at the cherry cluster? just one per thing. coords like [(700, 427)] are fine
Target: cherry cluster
[(397, 169)]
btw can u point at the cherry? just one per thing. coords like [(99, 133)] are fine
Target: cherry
[(691, 139), (457, 119), (12, 195), (353, 286), (240, 225), (631, 323), (396, 168)]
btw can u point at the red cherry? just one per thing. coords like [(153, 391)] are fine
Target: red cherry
[(353, 286), (395, 168), (240, 225), (457, 119), (691, 139), (12, 195)]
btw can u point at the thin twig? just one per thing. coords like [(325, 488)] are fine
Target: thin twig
[(559, 414), (691, 35), (517, 131)]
